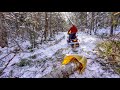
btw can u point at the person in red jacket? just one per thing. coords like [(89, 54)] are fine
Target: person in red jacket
[(72, 32)]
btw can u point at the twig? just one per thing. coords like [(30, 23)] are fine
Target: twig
[(7, 63), (18, 45), (5, 56)]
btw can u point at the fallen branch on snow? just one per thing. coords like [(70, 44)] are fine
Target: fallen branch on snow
[(63, 71), (7, 64)]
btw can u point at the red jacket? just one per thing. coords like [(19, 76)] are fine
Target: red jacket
[(73, 29)]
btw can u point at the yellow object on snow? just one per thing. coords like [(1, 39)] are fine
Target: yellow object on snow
[(82, 60)]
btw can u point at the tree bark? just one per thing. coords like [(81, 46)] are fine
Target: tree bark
[(96, 21), (46, 26), (50, 25), (63, 71), (92, 23), (95, 27), (112, 26), (3, 33)]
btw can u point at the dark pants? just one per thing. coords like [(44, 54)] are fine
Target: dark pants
[(72, 36)]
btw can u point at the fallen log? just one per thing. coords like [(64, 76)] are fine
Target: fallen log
[(63, 72)]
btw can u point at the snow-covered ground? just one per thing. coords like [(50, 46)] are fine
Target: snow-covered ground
[(50, 57), (107, 31)]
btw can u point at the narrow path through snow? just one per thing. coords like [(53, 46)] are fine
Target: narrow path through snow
[(56, 52)]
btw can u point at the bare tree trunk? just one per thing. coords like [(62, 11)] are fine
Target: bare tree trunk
[(92, 23), (50, 26), (93, 20), (86, 20), (90, 28), (95, 27), (46, 26), (16, 25), (96, 21), (57, 25), (3, 33), (111, 30), (112, 25)]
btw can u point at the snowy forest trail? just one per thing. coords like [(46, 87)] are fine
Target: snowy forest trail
[(50, 58)]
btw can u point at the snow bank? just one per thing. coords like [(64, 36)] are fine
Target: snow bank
[(107, 31), (103, 31)]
